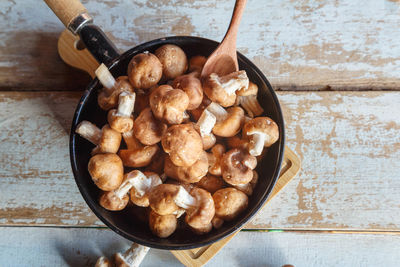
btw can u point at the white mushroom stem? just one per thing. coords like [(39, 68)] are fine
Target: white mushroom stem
[(105, 76), (206, 122), (102, 262), (257, 142), (251, 105), (184, 199), (218, 111), (89, 131), (134, 255), (178, 213), (234, 81), (126, 103), (142, 183)]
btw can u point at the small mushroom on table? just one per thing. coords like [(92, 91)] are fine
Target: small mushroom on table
[(261, 132), (121, 119), (106, 140), (106, 171), (148, 130), (173, 59), (222, 90), (228, 122), (144, 70), (132, 257), (108, 96), (169, 104), (136, 154), (237, 166)]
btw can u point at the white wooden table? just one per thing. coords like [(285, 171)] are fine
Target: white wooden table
[(334, 65)]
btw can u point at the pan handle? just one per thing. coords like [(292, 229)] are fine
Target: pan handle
[(75, 17)]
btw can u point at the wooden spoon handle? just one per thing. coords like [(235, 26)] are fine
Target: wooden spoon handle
[(66, 10), (232, 31)]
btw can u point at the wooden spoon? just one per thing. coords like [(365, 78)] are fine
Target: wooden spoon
[(224, 59)]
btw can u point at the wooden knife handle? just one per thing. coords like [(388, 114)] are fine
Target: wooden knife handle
[(66, 10)]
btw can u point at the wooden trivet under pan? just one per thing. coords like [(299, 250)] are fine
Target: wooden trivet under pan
[(82, 59)]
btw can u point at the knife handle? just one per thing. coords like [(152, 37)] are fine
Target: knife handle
[(66, 10)]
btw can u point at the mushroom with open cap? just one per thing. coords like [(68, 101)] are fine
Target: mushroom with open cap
[(106, 171), (228, 122), (261, 132), (215, 158), (142, 184), (191, 85), (108, 96), (229, 203), (237, 166), (148, 129), (191, 174), (173, 59), (204, 125), (162, 225), (144, 70), (183, 144), (132, 257), (121, 119), (211, 183), (247, 98), (137, 155), (169, 104), (106, 140), (222, 90), (196, 64)]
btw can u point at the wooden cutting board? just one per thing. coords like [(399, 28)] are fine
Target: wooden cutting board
[(72, 53)]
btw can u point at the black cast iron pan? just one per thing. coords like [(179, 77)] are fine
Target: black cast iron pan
[(129, 223)]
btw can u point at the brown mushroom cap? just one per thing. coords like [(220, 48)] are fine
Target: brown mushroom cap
[(203, 230), (106, 171), (147, 129), (110, 141), (192, 87), (252, 89), (216, 93), (173, 59), (265, 125), (139, 157), (183, 144), (162, 199), (201, 214), (143, 201), (108, 98), (191, 174), (110, 201), (144, 70), (215, 158), (157, 163), (196, 113), (237, 142), (211, 183), (229, 203), (121, 124), (196, 64), (237, 166), (249, 187), (232, 124), (162, 225), (168, 104)]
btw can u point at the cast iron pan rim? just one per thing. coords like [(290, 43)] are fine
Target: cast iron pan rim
[(153, 244)]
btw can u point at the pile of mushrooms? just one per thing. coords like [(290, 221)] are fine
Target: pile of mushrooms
[(182, 147)]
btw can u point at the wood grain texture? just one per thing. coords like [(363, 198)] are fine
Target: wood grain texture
[(299, 45), (28, 246), (348, 142)]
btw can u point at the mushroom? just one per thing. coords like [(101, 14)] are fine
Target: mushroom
[(132, 257), (142, 184), (261, 132), (191, 174), (142, 100), (108, 96), (237, 166), (202, 230), (196, 64), (106, 140), (211, 183), (196, 113), (229, 203), (237, 142), (147, 129), (106, 171), (173, 60), (228, 122), (183, 144), (191, 85), (204, 126), (103, 262), (169, 104), (214, 159), (121, 119), (162, 225), (111, 200), (144, 70), (249, 187), (162, 199), (247, 98), (157, 163), (136, 154), (222, 89), (200, 208)]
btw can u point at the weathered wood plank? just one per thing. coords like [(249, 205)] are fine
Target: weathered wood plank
[(28, 246), (348, 142), (299, 45)]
